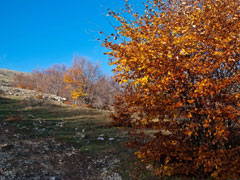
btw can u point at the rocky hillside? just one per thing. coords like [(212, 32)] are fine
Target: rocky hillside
[(7, 76), (6, 79)]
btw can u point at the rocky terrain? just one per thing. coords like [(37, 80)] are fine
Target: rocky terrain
[(23, 158), (25, 93), (6, 79)]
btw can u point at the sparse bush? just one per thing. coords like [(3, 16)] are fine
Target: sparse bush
[(1, 92), (24, 81), (33, 101), (15, 117)]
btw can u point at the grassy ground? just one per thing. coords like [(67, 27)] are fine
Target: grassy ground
[(90, 131)]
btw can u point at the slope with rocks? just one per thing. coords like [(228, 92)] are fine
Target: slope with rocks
[(7, 77)]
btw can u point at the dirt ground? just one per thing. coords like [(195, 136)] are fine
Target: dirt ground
[(23, 157)]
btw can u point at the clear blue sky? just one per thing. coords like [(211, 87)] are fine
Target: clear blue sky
[(40, 33)]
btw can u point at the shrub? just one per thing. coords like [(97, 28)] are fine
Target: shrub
[(181, 62)]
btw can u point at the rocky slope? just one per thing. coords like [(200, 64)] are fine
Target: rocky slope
[(7, 76), (4, 90), (6, 79)]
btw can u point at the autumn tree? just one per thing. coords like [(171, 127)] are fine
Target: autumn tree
[(180, 62), (74, 79), (88, 85), (54, 83), (83, 83), (24, 81), (103, 93), (48, 80)]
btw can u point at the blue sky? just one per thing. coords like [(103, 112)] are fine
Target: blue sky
[(40, 33)]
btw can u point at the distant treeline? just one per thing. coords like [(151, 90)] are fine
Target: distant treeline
[(83, 83)]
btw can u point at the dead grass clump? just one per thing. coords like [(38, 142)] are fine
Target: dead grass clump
[(15, 117), (2, 92)]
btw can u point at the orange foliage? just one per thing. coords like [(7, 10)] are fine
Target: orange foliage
[(180, 61), (74, 82), (121, 115)]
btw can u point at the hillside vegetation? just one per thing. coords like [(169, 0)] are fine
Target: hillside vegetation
[(7, 76), (82, 84)]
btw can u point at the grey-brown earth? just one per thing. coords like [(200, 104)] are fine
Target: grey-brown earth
[(23, 157)]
